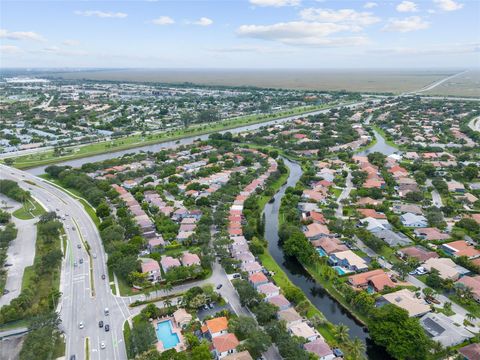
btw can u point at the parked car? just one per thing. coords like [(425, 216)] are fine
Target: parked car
[(236, 276), (219, 286)]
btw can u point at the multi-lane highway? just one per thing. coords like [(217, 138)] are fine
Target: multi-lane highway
[(85, 294)]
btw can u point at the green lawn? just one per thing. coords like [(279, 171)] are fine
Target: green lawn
[(137, 140), (29, 210), (315, 272), (471, 306)]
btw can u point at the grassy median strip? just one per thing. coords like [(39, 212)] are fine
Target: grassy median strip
[(87, 348)]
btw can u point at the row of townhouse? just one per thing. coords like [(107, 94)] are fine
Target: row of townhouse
[(296, 325)]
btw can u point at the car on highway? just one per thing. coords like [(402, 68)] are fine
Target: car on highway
[(73, 228), (94, 255), (100, 323), (81, 325), (79, 246), (5, 291), (8, 264), (102, 345), (219, 286), (74, 263), (103, 276), (106, 312), (107, 327), (81, 261), (73, 357)]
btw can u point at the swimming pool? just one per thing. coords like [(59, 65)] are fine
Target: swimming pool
[(166, 335), (339, 270), (321, 252)]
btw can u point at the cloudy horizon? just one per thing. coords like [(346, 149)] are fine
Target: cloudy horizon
[(249, 34)]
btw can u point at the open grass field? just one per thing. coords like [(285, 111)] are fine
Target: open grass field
[(394, 81), (467, 84)]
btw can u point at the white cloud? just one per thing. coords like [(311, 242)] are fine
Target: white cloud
[(20, 35), (10, 49), (407, 6), (275, 3), (163, 20), (345, 16), (203, 21), (448, 5), (70, 42), (370, 5), (302, 33), (101, 14), (408, 24)]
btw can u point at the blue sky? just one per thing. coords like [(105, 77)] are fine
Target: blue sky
[(241, 34)]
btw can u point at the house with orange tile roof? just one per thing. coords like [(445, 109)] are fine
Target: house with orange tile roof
[(316, 217), (461, 248), (371, 213), (215, 327), (257, 279), (376, 279), (224, 345)]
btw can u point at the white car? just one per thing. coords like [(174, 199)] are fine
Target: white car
[(81, 325), (102, 345)]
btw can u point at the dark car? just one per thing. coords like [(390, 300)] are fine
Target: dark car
[(79, 246), (100, 323), (103, 277), (107, 327), (73, 357), (219, 286), (81, 261)]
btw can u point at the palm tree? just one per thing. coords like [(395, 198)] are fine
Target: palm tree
[(317, 320), (341, 333), (447, 306), (167, 303), (168, 287), (357, 348), (470, 317)]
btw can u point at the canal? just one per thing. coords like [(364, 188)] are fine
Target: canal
[(380, 146), (39, 170), (332, 310)]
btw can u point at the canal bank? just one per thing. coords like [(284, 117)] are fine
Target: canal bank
[(333, 311), (174, 143)]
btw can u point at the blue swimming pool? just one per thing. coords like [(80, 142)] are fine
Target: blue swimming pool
[(165, 334), (339, 270), (321, 252)]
